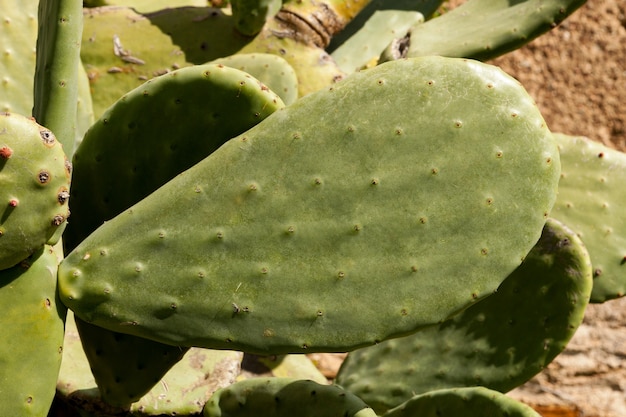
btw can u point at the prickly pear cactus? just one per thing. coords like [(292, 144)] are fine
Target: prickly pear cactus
[(35, 178), (470, 402), (284, 397), (590, 195), (499, 343), (288, 220), (32, 335)]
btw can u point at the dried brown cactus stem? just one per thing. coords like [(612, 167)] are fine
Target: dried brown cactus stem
[(314, 22)]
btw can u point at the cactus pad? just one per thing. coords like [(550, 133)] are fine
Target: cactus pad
[(500, 342), (257, 247), (485, 29), (35, 178), (32, 335), (590, 202), (284, 397), (469, 402)]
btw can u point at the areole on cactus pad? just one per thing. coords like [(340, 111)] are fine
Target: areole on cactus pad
[(336, 222)]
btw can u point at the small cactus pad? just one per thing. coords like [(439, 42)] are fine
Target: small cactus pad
[(270, 69), (468, 402), (499, 342), (590, 199), (485, 29), (125, 367), (419, 211), (32, 335), (183, 391), (177, 120), (35, 178), (284, 397)]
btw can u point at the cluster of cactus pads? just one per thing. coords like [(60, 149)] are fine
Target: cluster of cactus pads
[(257, 180)]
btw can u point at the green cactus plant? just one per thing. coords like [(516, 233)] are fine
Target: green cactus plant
[(458, 170)]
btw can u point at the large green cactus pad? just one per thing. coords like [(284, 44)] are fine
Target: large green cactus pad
[(284, 397), (469, 402), (499, 343), (411, 214), (590, 200), (35, 178), (32, 335)]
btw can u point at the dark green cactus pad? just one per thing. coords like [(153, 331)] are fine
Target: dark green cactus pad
[(35, 178), (485, 29), (411, 214), (32, 335), (183, 391), (126, 367), (500, 342), (177, 120), (477, 401), (270, 69), (284, 397), (590, 202)]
